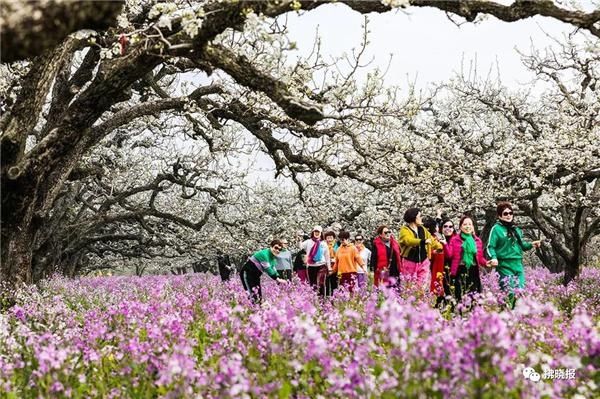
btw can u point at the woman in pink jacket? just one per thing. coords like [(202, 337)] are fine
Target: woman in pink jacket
[(465, 251)]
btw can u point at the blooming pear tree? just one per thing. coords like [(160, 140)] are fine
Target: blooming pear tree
[(93, 85), (124, 208), (481, 142)]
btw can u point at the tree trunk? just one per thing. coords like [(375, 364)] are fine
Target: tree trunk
[(17, 252), (572, 270), (140, 268), (70, 265), (30, 188), (573, 264), (551, 259)]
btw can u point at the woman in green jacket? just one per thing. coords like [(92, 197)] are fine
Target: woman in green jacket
[(505, 249), (262, 261)]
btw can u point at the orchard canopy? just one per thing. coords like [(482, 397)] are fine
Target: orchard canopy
[(129, 132)]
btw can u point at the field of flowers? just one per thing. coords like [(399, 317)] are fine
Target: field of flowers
[(193, 336)]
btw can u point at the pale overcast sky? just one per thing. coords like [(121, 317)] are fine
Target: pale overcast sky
[(425, 44)]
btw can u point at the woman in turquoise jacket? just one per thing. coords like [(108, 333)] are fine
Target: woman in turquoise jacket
[(505, 249)]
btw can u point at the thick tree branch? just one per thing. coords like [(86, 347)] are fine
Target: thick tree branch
[(541, 221), (246, 73), (28, 28), (18, 124), (66, 88), (520, 9), (281, 152), (470, 9), (125, 116), (81, 244)]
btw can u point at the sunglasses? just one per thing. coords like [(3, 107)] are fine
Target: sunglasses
[(387, 232), (507, 213), (358, 239), (448, 226), (276, 248)]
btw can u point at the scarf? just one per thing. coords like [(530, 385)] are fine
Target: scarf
[(418, 254), (469, 250), (316, 252), (511, 232)]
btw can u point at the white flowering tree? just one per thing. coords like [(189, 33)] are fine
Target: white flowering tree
[(62, 104), (476, 142), (473, 142), (134, 196)]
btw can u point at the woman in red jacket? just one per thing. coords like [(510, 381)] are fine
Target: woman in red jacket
[(447, 230), (465, 251), (385, 256)]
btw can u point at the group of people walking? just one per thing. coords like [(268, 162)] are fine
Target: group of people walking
[(429, 253)]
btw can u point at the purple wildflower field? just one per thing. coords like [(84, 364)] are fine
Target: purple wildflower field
[(193, 336)]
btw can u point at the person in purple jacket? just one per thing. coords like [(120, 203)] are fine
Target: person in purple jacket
[(465, 251)]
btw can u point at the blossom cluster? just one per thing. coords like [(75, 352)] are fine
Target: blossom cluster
[(192, 335)]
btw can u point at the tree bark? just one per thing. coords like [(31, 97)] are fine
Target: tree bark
[(567, 242), (552, 260), (17, 251), (28, 28), (572, 269)]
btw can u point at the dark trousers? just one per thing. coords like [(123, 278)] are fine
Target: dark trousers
[(313, 274), (318, 279), (466, 281), (331, 284), (224, 272), (250, 276)]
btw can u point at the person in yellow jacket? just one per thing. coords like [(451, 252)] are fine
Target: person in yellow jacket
[(416, 245), (347, 262)]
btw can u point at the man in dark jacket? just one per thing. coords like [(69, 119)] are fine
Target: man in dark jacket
[(224, 265)]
